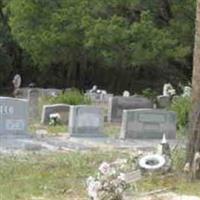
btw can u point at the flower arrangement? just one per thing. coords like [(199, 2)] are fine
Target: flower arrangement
[(110, 180), (54, 119)]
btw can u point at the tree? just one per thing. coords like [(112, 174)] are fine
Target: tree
[(69, 38), (194, 140)]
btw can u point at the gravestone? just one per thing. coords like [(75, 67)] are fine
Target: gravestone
[(33, 97), (22, 93), (148, 124), (85, 121), (163, 101), (17, 80), (13, 115), (106, 97), (99, 97), (62, 109), (94, 97), (126, 93), (51, 92), (118, 103)]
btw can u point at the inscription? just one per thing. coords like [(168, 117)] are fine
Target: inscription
[(5, 110), (148, 117), (15, 125)]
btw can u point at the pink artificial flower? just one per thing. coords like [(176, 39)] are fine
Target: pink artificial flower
[(104, 168)]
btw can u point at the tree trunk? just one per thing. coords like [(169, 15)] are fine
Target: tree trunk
[(194, 137)]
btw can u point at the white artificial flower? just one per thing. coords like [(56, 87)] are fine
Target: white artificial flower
[(119, 190), (93, 189), (54, 116), (104, 168), (122, 177), (89, 180), (112, 171)]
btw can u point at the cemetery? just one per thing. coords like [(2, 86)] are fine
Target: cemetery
[(40, 125), (99, 100)]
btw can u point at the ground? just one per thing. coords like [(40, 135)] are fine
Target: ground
[(48, 165), (61, 175)]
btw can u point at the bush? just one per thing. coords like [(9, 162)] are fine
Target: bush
[(181, 105), (73, 97), (149, 93)]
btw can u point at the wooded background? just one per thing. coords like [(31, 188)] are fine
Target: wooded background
[(115, 44)]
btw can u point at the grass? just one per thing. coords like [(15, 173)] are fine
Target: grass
[(51, 130), (178, 184), (112, 130), (51, 177), (177, 180), (61, 176)]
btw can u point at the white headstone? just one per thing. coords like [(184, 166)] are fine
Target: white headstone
[(126, 93), (17, 81)]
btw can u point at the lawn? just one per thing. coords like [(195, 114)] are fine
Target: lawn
[(56, 176), (61, 176)]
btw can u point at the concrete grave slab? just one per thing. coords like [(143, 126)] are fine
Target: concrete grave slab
[(148, 124)]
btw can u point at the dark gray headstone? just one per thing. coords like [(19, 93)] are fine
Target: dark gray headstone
[(163, 101), (85, 121), (13, 115), (118, 103), (148, 124), (62, 109)]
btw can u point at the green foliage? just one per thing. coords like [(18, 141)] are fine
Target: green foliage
[(149, 93), (181, 105), (70, 38), (74, 97), (47, 28)]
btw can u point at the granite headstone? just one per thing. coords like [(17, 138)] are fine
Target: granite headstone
[(13, 115), (62, 109), (85, 121), (148, 124), (118, 103)]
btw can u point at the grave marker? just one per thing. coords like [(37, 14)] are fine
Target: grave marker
[(62, 109), (118, 103), (13, 115), (33, 97), (148, 124), (85, 121)]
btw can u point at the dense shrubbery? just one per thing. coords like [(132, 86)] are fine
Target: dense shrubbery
[(150, 94), (181, 105), (73, 97)]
